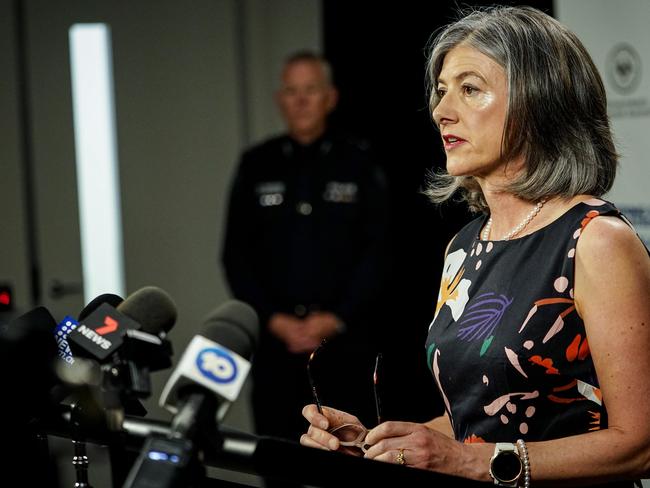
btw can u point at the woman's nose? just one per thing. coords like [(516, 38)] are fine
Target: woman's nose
[(443, 112)]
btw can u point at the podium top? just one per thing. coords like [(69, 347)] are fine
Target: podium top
[(289, 461)]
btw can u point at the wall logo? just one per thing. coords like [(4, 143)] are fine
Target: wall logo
[(216, 365), (623, 67)]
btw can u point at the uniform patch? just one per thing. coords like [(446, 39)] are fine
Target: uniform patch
[(270, 193), (340, 192)]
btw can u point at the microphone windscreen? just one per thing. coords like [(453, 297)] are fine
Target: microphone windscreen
[(37, 321), (152, 308), (27, 353), (110, 298), (235, 325)]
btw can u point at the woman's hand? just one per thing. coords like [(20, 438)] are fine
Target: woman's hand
[(318, 436), (416, 445)]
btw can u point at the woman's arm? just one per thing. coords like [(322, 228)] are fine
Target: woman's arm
[(612, 295), (441, 424)]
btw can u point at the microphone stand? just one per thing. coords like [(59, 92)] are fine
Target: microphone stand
[(80, 459), (126, 380), (100, 405), (175, 459), (80, 463)]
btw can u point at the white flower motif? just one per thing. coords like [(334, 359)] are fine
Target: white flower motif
[(453, 288)]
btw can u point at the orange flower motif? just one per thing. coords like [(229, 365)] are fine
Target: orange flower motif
[(595, 420), (473, 439), (569, 387), (598, 394), (590, 215), (578, 349), (557, 399), (559, 322), (545, 363)]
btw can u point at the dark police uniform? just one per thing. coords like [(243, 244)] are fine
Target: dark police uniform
[(307, 231)]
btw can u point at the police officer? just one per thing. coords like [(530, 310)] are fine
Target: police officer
[(306, 245)]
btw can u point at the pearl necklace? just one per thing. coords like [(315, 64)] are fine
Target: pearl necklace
[(518, 228)]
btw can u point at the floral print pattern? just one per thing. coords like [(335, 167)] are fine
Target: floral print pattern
[(506, 347), (453, 287)]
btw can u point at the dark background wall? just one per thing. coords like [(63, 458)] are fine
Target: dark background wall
[(378, 52)]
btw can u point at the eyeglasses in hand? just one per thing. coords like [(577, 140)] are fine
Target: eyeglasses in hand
[(350, 435)]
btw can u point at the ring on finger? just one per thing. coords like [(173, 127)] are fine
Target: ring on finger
[(399, 459)]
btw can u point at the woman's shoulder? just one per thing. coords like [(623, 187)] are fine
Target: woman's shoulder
[(585, 208), (612, 270), (601, 220), (574, 215), (608, 245), (607, 234)]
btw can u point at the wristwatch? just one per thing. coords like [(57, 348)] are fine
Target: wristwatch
[(505, 465)]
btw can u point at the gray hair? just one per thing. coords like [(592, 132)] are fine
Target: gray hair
[(557, 107), (307, 56)]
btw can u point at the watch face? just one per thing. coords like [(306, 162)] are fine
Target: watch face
[(506, 466)]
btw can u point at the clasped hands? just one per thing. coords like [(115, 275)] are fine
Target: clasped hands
[(408, 443), (303, 335)]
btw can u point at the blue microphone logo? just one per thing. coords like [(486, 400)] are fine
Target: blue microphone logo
[(67, 325), (216, 365)]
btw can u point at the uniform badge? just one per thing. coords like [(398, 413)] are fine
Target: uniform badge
[(340, 192), (270, 193)]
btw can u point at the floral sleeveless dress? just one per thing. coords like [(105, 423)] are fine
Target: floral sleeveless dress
[(507, 348)]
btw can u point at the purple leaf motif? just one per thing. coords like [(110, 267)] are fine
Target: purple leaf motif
[(482, 317)]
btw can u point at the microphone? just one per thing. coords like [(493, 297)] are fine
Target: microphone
[(68, 324), (28, 351), (152, 308), (127, 339), (217, 360), (209, 376), (129, 343), (103, 328)]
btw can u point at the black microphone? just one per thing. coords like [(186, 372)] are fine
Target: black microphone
[(28, 351), (129, 343), (152, 308), (208, 378), (127, 339), (104, 328), (68, 323)]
